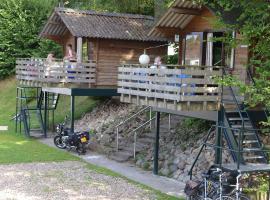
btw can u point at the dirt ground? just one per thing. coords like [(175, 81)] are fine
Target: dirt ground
[(64, 180)]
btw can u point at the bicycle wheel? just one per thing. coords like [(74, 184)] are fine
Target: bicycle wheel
[(225, 197)]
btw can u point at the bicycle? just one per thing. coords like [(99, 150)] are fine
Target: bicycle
[(220, 195), (203, 190), (236, 194)]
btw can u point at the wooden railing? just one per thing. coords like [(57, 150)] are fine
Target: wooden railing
[(173, 87), (42, 71)]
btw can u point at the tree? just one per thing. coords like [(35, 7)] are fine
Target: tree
[(252, 21), (20, 22)]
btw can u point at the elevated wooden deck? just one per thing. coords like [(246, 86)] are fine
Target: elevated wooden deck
[(180, 88), (58, 73)]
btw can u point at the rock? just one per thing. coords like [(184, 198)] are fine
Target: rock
[(173, 168), (165, 171), (181, 165)]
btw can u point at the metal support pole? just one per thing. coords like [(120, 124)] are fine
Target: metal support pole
[(220, 122), (16, 127), (169, 122), (45, 113), (156, 152), (72, 105), (135, 140), (20, 91), (53, 121), (117, 139), (150, 110)]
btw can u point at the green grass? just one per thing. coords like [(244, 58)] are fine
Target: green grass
[(15, 148), (18, 149)]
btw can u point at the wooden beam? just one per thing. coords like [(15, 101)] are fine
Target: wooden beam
[(187, 11)]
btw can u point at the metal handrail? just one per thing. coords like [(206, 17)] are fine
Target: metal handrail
[(135, 135), (221, 147), (127, 120), (242, 123), (132, 116)]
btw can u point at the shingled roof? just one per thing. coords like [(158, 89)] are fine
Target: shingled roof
[(99, 25)]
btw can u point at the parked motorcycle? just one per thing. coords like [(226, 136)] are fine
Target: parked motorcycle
[(65, 139)]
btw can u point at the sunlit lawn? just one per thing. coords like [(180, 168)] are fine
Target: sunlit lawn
[(17, 149)]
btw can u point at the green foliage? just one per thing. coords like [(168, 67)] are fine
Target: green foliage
[(199, 125), (190, 130), (20, 22), (253, 23), (122, 6)]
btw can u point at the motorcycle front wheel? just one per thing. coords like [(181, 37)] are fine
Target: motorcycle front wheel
[(81, 148), (59, 142)]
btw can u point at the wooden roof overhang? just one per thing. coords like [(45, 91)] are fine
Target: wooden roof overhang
[(54, 29), (179, 17)]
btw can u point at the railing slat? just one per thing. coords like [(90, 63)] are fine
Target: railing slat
[(41, 71), (185, 87)]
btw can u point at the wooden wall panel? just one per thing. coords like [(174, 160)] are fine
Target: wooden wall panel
[(241, 61), (68, 39), (113, 53), (201, 23)]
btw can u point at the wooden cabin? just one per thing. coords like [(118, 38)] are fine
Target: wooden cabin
[(187, 88), (102, 41)]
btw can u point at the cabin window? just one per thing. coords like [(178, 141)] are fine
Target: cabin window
[(214, 51), (193, 49), (88, 50)]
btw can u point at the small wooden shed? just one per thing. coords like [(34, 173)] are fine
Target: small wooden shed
[(195, 25), (109, 39)]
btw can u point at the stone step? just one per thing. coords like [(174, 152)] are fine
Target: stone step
[(121, 156), (146, 140), (130, 148)]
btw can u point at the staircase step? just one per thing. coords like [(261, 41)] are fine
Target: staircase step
[(250, 141), (253, 157), (121, 156), (240, 126), (139, 147), (146, 140), (245, 134), (252, 149), (149, 135), (237, 119)]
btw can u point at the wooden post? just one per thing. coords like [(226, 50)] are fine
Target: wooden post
[(79, 49), (181, 50)]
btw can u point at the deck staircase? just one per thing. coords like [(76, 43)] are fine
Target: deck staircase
[(29, 109), (241, 129)]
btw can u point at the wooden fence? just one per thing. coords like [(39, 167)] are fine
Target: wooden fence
[(40, 71), (173, 87)]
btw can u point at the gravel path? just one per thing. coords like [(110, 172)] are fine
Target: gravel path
[(64, 180)]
